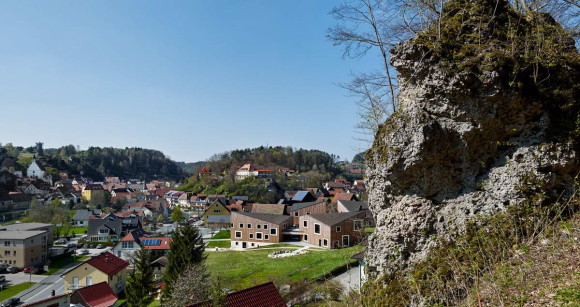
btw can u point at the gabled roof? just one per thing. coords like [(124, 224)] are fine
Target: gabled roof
[(115, 224), (83, 214), (264, 295), (352, 206), (268, 208), (134, 235), (331, 219), (298, 206), (98, 295), (157, 243), (93, 186), (108, 263), (301, 195), (271, 218), (343, 196)]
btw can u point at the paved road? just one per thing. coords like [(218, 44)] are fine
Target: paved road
[(43, 289)]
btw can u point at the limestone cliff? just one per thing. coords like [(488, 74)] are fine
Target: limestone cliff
[(477, 120)]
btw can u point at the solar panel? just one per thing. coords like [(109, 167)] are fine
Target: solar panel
[(150, 242), (300, 195)]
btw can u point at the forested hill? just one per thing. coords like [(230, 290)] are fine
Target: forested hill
[(97, 162), (300, 160)]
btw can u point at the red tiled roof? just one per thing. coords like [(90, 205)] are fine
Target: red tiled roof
[(108, 263), (99, 295), (343, 196), (164, 245), (264, 295)]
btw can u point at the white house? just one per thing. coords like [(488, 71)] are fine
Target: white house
[(35, 170)]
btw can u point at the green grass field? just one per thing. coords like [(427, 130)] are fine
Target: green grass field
[(56, 265), (241, 269), (222, 234), (79, 230), (222, 244), (10, 291)]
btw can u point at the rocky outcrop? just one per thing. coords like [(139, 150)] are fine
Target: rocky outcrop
[(461, 144)]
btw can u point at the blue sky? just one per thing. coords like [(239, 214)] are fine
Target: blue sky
[(189, 78)]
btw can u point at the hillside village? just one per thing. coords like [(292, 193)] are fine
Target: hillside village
[(107, 222)]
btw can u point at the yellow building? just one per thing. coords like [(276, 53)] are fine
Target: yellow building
[(94, 193), (105, 267), (216, 209)]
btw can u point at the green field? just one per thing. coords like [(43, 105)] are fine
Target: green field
[(10, 291), (56, 265), (222, 244), (222, 234), (78, 230), (241, 269)]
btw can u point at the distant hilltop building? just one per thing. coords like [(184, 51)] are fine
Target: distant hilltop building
[(248, 170)]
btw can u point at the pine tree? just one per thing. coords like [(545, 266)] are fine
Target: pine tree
[(140, 282), (186, 249)]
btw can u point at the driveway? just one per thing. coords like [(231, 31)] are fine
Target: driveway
[(20, 277)]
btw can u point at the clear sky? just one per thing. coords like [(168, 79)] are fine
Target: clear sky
[(189, 78)]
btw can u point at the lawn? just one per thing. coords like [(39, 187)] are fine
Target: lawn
[(10, 291), (222, 234), (223, 244), (155, 303), (78, 230), (241, 269), (56, 265)]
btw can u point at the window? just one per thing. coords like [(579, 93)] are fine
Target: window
[(231, 225), (259, 226), (251, 236), (249, 226), (14, 252), (6, 253), (128, 244), (308, 213), (103, 230), (305, 224), (89, 281), (273, 231), (306, 238), (266, 237), (217, 210), (338, 228), (265, 226), (325, 242), (6, 243), (241, 225), (317, 229), (75, 282), (358, 225), (258, 236), (295, 213), (238, 234)]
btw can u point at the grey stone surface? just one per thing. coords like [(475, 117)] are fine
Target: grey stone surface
[(459, 146)]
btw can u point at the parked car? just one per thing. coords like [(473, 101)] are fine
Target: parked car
[(80, 245), (27, 269), (2, 278), (100, 246), (82, 252), (13, 269), (10, 302), (71, 245), (93, 246), (60, 241)]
